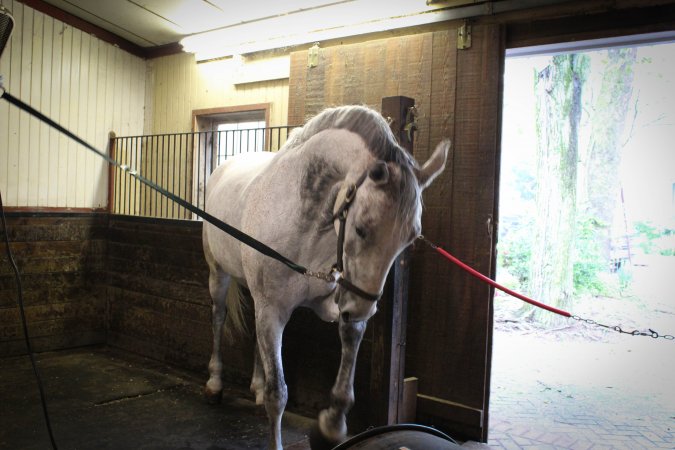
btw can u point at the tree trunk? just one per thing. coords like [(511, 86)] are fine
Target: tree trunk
[(607, 123), (558, 113)]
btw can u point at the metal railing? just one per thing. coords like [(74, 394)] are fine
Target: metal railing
[(180, 163)]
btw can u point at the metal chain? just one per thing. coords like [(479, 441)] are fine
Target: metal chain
[(651, 333), (331, 277)]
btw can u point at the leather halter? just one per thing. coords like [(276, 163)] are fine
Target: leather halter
[(338, 268)]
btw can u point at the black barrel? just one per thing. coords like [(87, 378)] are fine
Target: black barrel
[(402, 436)]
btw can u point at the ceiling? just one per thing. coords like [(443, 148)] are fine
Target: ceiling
[(217, 28), (150, 23)]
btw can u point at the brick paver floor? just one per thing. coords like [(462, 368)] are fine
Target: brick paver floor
[(547, 393)]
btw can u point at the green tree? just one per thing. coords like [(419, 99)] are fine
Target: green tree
[(608, 116), (558, 88)]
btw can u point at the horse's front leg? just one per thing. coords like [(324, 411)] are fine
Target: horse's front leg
[(269, 330), (333, 421)]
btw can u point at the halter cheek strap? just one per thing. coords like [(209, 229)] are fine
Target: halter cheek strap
[(338, 268)]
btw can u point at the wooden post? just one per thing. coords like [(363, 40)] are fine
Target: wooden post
[(111, 173), (389, 324)]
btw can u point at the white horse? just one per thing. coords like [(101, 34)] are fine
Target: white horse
[(341, 174)]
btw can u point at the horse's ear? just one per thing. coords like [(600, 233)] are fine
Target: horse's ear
[(434, 165), (379, 173)]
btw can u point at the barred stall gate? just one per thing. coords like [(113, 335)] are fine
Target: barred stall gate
[(180, 163)]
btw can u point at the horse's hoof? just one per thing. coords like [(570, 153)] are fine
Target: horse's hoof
[(317, 441), (213, 398)]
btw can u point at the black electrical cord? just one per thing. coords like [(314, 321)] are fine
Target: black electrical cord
[(19, 289)]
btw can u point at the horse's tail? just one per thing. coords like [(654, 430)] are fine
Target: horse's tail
[(239, 318)]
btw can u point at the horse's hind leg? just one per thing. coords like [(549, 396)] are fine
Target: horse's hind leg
[(270, 325), (218, 284)]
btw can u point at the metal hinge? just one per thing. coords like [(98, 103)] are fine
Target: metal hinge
[(313, 55), (464, 36)]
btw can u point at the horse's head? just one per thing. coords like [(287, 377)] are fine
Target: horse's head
[(382, 219)]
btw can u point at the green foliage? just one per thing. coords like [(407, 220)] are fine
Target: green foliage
[(647, 230), (654, 240), (589, 262), (514, 254)]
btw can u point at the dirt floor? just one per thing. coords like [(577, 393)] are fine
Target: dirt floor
[(577, 386)]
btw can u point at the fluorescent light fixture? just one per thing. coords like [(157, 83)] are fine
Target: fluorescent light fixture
[(319, 23)]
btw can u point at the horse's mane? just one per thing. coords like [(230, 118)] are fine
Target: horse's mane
[(378, 137), (366, 122)]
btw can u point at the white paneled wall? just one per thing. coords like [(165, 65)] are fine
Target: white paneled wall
[(92, 87), (83, 83), (180, 85)]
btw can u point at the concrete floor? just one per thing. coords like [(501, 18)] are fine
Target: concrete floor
[(101, 398), (104, 398)]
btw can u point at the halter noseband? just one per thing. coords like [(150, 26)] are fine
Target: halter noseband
[(338, 268)]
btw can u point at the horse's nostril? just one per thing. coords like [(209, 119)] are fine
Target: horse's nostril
[(345, 316)]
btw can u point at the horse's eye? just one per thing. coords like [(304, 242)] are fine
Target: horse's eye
[(360, 232)]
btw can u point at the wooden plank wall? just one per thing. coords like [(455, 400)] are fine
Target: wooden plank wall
[(159, 304), (457, 97), (61, 258), (364, 74), (452, 357), (88, 86), (421, 66)]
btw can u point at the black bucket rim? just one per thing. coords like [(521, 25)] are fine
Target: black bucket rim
[(389, 428)]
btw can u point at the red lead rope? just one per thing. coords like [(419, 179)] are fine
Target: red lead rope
[(493, 283)]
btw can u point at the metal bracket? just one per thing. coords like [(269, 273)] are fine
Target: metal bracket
[(313, 56), (410, 122), (464, 36)]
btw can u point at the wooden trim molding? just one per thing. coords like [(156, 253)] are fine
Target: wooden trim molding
[(28, 210), (231, 109), (457, 419), (592, 25)]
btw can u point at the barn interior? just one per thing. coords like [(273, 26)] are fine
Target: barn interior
[(114, 280)]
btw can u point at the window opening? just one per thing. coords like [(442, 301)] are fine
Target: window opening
[(239, 137), (222, 134)]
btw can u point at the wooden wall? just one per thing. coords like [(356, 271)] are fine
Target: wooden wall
[(365, 73), (159, 304), (456, 93), (83, 83), (61, 258), (177, 85)]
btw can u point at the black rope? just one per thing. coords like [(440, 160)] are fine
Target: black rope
[(29, 347), (229, 229)]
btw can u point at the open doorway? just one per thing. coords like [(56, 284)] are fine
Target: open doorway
[(587, 224)]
